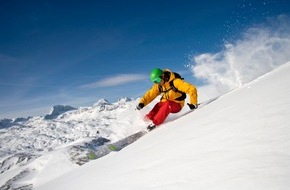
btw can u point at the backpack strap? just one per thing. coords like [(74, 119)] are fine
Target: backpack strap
[(183, 94)]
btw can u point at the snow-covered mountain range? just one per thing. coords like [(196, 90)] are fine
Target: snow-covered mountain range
[(239, 141), (25, 139)]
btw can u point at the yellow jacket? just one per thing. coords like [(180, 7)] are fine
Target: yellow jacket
[(168, 93)]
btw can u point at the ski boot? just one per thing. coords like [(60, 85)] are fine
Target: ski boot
[(151, 127)]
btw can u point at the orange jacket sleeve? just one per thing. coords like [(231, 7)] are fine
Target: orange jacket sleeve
[(150, 95), (186, 88)]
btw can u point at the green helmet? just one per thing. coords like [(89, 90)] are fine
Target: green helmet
[(156, 75)]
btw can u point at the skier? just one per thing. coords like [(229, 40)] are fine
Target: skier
[(173, 89)]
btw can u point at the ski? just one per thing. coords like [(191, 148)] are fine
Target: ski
[(115, 146), (120, 144)]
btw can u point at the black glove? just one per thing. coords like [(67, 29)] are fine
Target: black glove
[(192, 106), (140, 106)]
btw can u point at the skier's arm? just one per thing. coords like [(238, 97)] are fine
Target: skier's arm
[(150, 95), (188, 89)]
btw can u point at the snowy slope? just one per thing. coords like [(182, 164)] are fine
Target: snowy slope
[(239, 141)]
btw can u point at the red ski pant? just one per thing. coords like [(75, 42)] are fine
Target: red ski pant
[(161, 110)]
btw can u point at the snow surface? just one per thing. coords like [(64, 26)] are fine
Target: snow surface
[(239, 141)]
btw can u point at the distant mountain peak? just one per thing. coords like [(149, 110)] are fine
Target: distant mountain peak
[(58, 110), (5, 123), (101, 102)]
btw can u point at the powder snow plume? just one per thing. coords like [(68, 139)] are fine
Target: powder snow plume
[(260, 49)]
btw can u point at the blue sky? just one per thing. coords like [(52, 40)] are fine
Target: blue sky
[(76, 52)]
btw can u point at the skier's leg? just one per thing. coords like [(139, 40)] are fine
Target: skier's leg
[(174, 107), (166, 108), (153, 112)]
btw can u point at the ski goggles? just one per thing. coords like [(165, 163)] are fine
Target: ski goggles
[(157, 80)]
